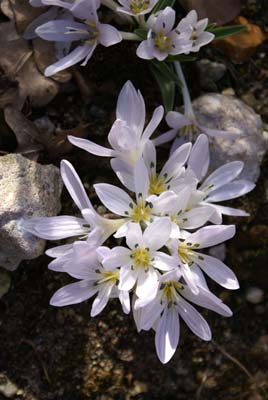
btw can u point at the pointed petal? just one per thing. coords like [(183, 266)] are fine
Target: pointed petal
[(222, 175), (115, 199), (101, 300), (167, 335), (153, 124), (152, 237), (91, 147), (124, 300), (134, 236), (141, 179), (231, 191), (199, 157), (108, 35), (212, 235), (73, 294), (147, 284), (78, 54)]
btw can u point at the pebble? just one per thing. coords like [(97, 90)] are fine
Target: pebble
[(27, 189), (255, 295), (7, 388)]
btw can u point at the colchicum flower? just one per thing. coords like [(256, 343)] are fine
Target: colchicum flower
[(195, 31), (89, 33), (162, 39), (136, 7)]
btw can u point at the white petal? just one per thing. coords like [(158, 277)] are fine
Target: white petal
[(199, 157), (196, 217), (194, 320), (165, 20), (134, 236), (113, 258), (74, 185), (141, 179), (147, 284), (167, 335), (91, 147), (74, 57), (176, 160), (115, 199), (124, 173), (163, 261), (73, 294), (124, 300), (59, 251), (212, 235), (217, 271), (61, 227), (165, 137), (189, 278), (153, 124), (222, 175), (145, 50), (127, 278), (157, 234), (177, 120), (230, 211)]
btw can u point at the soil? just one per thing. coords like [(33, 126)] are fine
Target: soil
[(63, 354)]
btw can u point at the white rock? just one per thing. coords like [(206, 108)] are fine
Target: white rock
[(229, 113), (26, 189), (255, 295)]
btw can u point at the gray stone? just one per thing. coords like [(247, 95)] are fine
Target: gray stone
[(255, 295), (7, 388), (217, 111), (5, 282), (209, 73), (27, 189)]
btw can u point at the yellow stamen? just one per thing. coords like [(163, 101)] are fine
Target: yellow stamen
[(109, 276), (141, 212), (169, 290), (138, 6), (141, 257), (162, 42), (157, 185)]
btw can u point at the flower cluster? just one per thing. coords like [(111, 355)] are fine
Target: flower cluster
[(165, 217), (75, 28)]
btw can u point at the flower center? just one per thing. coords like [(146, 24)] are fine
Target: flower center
[(138, 6), (186, 253), (162, 42), (141, 257), (109, 276), (169, 290), (157, 184), (141, 212), (93, 32)]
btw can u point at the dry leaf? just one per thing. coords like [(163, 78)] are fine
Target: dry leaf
[(219, 11), (242, 46)]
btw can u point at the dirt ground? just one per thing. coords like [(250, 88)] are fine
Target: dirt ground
[(62, 354)]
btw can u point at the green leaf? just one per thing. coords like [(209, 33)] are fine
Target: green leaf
[(142, 33), (163, 4), (167, 81), (221, 32), (181, 58)]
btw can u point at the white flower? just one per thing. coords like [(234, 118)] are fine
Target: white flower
[(93, 278), (138, 262), (164, 311), (127, 136), (64, 226), (136, 7), (220, 185), (185, 250), (195, 31), (162, 40)]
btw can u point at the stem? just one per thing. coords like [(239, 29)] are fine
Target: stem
[(141, 21), (189, 112), (113, 6), (130, 36)]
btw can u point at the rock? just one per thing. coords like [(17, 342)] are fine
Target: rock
[(7, 388), (255, 295), (209, 72), (4, 282), (27, 189), (218, 111)]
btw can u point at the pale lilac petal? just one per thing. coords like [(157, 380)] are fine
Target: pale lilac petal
[(196, 217), (176, 160), (222, 175), (217, 271), (55, 228), (231, 211), (153, 124), (121, 137), (124, 173), (165, 20), (91, 147), (228, 135), (59, 251), (108, 35), (30, 33), (131, 108), (149, 155), (78, 54), (62, 31), (145, 50), (212, 235), (177, 120), (84, 9), (167, 335), (101, 300), (165, 137), (189, 278), (163, 261), (199, 157), (73, 294), (194, 320), (112, 258), (231, 191), (124, 300), (157, 234), (114, 198), (74, 185)]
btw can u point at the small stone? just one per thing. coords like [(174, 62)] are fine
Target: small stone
[(7, 388), (255, 295), (5, 282), (27, 189), (210, 72), (217, 111)]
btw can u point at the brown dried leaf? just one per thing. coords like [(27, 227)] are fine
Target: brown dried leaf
[(219, 11), (21, 12), (44, 55), (27, 135), (59, 145), (240, 47)]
